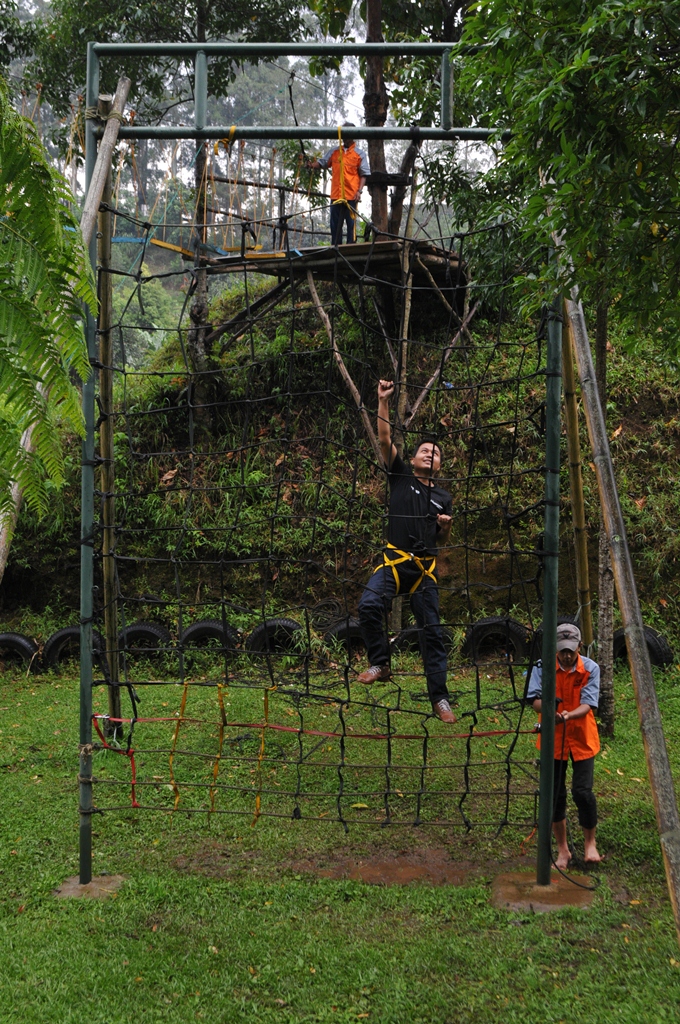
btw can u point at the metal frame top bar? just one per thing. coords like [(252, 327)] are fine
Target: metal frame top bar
[(233, 132), (232, 49)]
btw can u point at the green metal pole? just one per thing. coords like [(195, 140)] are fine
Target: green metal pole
[(245, 51), (446, 78), (551, 539), (313, 131), (87, 516), (200, 89)]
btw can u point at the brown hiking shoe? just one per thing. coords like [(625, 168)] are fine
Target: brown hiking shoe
[(375, 674), (442, 710)]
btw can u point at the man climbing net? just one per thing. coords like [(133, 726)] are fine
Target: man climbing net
[(419, 517)]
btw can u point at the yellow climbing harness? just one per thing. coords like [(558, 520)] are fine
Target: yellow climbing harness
[(406, 556)]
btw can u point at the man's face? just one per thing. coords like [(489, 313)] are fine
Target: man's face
[(427, 459), (567, 658)]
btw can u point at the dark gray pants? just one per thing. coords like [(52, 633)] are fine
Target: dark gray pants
[(375, 606), (582, 774)]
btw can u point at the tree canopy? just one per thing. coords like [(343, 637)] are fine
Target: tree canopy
[(59, 58), (591, 93)]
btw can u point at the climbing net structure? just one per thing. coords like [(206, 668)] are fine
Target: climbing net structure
[(240, 503), (244, 507)]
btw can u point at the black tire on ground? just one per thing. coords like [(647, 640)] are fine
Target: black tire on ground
[(408, 640), (210, 633), (276, 636), (144, 638), (324, 613), (16, 649), (660, 652), (496, 639), (64, 645), (348, 633)]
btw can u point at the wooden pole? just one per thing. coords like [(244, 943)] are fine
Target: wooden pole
[(106, 441), (578, 511), (658, 767), (103, 164), (407, 278)]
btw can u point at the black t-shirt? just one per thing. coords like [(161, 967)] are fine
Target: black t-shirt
[(414, 508)]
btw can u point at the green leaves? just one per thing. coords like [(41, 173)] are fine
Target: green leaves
[(589, 90), (44, 280)]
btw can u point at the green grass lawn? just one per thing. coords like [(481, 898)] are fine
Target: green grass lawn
[(217, 921)]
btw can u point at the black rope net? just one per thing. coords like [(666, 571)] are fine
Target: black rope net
[(246, 507)]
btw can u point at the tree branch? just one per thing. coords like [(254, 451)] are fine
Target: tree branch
[(344, 372), (437, 373)]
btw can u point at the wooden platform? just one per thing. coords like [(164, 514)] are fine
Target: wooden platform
[(377, 262)]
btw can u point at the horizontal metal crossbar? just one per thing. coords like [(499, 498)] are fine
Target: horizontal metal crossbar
[(301, 132), (232, 49)]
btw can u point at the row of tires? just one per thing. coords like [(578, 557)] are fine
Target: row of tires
[(495, 638)]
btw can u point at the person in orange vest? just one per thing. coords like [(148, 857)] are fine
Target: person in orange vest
[(577, 689), (349, 169)]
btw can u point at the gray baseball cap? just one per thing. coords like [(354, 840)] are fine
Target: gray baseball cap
[(568, 637)]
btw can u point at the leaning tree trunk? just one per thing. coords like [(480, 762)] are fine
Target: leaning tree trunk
[(375, 112), (605, 585), (399, 192)]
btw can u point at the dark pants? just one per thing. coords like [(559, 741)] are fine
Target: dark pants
[(581, 791), (341, 214), (374, 608)]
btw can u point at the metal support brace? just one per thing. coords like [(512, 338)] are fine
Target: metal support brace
[(200, 89), (550, 581), (446, 118)]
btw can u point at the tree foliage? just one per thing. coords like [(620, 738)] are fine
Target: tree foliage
[(60, 50), (16, 37), (44, 279), (591, 93)]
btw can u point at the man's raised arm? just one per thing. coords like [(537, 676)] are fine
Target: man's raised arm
[(385, 391)]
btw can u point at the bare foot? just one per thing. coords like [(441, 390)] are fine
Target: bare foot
[(590, 851), (563, 858)]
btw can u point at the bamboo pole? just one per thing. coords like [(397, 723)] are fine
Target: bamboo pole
[(658, 766), (578, 511), (106, 441), (407, 277), (103, 164)]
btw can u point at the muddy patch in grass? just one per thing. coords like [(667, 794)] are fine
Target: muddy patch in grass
[(432, 865), (374, 865)]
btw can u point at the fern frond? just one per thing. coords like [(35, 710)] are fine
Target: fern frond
[(45, 278)]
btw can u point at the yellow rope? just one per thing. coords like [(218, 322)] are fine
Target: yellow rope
[(175, 787), (260, 757), (218, 756)]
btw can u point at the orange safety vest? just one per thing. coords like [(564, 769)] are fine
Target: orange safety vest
[(582, 739), (344, 165)]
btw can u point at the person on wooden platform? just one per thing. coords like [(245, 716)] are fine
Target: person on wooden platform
[(577, 690), (349, 169), (419, 518)]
